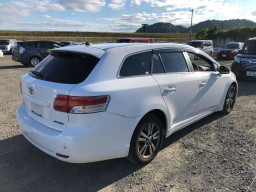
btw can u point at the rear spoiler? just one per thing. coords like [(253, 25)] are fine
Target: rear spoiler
[(79, 50)]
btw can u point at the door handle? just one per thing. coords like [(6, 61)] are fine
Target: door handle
[(203, 84), (170, 89)]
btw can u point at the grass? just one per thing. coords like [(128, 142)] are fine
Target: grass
[(90, 36)]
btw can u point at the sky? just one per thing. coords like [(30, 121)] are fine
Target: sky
[(116, 15)]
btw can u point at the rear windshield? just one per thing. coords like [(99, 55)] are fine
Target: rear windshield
[(249, 47), (65, 68), (195, 44), (4, 42), (232, 46)]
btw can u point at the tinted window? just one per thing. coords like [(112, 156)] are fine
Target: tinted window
[(123, 40), (200, 63), (139, 41), (249, 47), (157, 64), (32, 44), (174, 62), (195, 44), (65, 68), (46, 45), (138, 64), (4, 42)]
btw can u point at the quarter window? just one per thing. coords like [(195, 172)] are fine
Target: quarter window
[(174, 62), (201, 63), (138, 64)]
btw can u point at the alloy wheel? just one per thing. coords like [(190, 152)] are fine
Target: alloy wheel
[(230, 99), (148, 140), (34, 61)]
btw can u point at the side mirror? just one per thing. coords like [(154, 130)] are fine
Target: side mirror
[(224, 70)]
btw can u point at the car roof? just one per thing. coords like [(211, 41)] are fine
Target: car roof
[(98, 50), (138, 38)]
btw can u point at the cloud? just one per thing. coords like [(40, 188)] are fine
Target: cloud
[(47, 16), (117, 4), (83, 5), (57, 7)]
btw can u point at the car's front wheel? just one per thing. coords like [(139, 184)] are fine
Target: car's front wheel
[(229, 100), (147, 139), (34, 61)]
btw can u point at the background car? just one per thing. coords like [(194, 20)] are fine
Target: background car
[(6, 45), (230, 50), (135, 40), (244, 65), (104, 101), (67, 43), (30, 53), (204, 45)]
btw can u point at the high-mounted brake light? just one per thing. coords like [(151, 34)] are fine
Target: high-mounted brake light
[(91, 104)]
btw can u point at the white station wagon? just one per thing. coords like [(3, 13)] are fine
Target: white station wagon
[(104, 101)]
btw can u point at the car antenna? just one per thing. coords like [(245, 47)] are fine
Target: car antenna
[(86, 42)]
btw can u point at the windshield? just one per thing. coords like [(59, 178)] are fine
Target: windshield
[(195, 44), (65, 68), (4, 42), (231, 46), (249, 47)]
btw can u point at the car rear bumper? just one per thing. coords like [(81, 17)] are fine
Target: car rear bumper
[(227, 55), (20, 58), (81, 144)]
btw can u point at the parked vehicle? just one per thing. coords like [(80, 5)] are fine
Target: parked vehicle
[(204, 45), (230, 50), (67, 43), (244, 65), (92, 103), (6, 45), (135, 40), (30, 53)]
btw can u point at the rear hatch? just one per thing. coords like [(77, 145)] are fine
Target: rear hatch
[(55, 75)]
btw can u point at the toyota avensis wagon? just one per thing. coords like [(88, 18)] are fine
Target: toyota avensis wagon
[(91, 103)]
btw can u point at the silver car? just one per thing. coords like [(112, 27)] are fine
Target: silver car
[(204, 45)]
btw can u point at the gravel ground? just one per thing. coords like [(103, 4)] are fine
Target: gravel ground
[(217, 153)]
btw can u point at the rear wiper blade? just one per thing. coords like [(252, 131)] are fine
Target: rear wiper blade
[(37, 74)]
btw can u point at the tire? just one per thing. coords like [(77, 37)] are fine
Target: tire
[(230, 100), (25, 64), (34, 61), (146, 142)]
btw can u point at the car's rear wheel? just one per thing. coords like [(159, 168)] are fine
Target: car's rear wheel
[(34, 61), (229, 100), (147, 140)]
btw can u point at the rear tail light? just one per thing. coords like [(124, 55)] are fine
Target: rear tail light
[(72, 104)]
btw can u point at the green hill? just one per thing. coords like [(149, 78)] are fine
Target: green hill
[(222, 24)]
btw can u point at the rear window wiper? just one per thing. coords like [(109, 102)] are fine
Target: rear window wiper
[(37, 74)]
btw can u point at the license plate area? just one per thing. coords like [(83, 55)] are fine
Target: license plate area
[(251, 73), (224, 55), (37, 109)]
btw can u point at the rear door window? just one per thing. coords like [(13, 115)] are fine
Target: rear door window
[(138, 64), (174, 62), (65, 68)]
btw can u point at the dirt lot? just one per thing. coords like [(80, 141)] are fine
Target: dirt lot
[(217, 153)]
